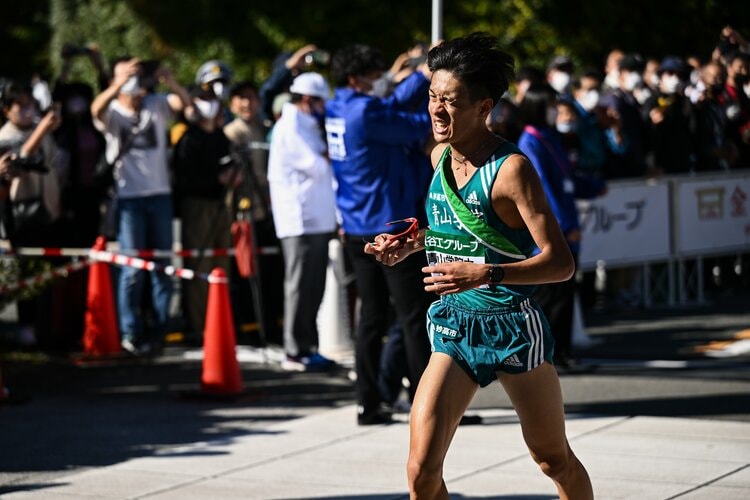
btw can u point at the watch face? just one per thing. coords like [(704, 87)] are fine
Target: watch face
[(496, 274)]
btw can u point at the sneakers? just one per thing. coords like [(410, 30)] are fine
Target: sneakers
[(373, 417), (129, 347), (313, 362)]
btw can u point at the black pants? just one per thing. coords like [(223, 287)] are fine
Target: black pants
[(378, 286), (557, 300)]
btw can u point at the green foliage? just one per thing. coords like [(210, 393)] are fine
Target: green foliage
[(249, 35)]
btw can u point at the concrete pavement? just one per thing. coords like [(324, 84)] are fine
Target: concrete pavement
[(325, 455)]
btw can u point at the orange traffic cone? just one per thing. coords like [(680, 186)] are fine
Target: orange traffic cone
[(101, 335), (221, 372)]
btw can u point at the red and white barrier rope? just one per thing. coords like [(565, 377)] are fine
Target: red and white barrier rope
[(147, 254), (59, 272), (145, 265)]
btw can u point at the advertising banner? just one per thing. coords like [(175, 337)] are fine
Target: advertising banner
[(629, 225), (712, 215)]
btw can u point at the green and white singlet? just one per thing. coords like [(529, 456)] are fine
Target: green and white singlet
[(490, 328)]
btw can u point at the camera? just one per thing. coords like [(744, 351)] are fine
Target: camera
[(319, 57), (147, 76), (33, 163)]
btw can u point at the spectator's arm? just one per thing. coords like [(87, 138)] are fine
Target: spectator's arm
[(394, 127), (123, 72), (278, 82), (47, 124), (179, 100)]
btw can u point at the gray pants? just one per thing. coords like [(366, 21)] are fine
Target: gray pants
[(305, 265)]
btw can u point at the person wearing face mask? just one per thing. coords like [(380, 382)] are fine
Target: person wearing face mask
[(560, 75), (370, 141), (134, 123), (672, 120), (541, 143), (715, 151), (203, 171), (304, 213), (612, 70), (592, 153), (623, 123), (736, 103)]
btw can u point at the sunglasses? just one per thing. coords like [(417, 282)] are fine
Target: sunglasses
[(411, 231)]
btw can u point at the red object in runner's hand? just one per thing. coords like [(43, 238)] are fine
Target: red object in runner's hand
[(411, 231)]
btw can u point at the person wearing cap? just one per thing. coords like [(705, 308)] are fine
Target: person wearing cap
[(203, 172), (304, 213), (134, 122), (216, 77), (672, 120)]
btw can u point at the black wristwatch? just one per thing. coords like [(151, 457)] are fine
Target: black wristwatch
[(496, 274)]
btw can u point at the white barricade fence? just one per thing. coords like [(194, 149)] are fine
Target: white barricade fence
[(669, 220), (712, 215), (628, 226)]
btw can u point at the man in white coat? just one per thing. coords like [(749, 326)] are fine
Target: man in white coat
[(304, 212)]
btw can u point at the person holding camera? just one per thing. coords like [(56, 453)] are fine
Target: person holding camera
[(286, 67), (34, 194), (203, 171), (134, 120)]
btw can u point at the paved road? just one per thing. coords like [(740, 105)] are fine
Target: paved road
[(644, 364)]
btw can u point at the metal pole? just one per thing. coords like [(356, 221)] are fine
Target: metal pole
[(437, 20)]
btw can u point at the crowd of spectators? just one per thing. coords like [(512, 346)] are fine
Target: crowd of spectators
[(120, 158)]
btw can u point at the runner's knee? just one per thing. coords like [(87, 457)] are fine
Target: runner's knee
[(556, 465)]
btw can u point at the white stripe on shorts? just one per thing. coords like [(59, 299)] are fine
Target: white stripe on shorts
[(534, 326)]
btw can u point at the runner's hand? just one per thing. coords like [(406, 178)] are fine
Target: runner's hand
[(454, 277), (388, 250)]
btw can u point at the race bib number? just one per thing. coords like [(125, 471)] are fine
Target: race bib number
[(443, 247)]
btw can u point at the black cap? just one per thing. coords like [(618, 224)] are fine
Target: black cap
[(563, 63), (673, 64), (632, 62)]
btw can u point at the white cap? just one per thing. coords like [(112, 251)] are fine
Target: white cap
[(312, 84)]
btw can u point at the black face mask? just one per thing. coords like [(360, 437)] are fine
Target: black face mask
[(716, 89), (740, 80)]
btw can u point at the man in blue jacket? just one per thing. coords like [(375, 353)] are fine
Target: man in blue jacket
[(370, 141)]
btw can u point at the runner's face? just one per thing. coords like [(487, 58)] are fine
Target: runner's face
[(454, 115)]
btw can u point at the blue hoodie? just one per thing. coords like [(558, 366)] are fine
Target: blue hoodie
[(562, 186), (370, 141)]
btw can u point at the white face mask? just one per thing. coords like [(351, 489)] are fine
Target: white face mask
[(207, 109), (220, 90), (551, 116), (631, 81), (695, 76), (746, 87), (589, 100), (642, 95), (560, 81), (613, 79), (670, 84), (131, 87), (566, 127)]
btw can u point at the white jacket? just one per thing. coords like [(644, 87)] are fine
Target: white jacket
[(300, 176)]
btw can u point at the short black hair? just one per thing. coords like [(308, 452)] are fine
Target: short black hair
[(733, 56), (240, 87), (355, 60), (536, 100), (477, 61), (13, 90)]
